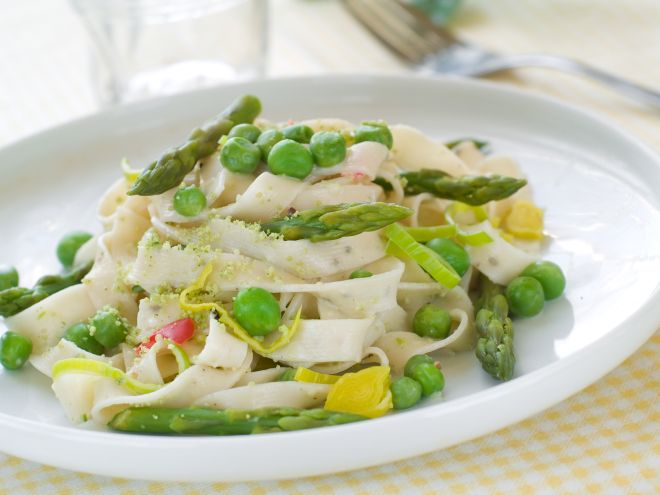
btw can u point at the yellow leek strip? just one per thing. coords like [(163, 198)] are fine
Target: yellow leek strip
[(181, 356), (130, 174), (224, 317), (478, 214), (308, 376), (394, 250), (524, 220), (477, 239), (507, 237), (441, 271), (425, 234), (101, 369), (366, 392)]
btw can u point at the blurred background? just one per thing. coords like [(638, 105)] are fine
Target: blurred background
[(62, 59)]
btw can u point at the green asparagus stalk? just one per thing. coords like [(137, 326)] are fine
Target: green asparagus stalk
[(470, 189), (16, 299), (208, 421), (170, 169), (335, 221), (495, 332)]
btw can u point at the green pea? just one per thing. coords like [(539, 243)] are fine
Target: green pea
[(374, 131), (108, 328), (452, 253), (240, 155), (406, 392), (290, 158), (8, 277), (267, 140), (550, 277), (15, 349), (257, 311), (298, 132), (429, 377), (189, 201), (415, 361), (361, 274), (288, 375), (432, 321), (525, 296), (248, 131), (328, 148), (69, 246), (79, 335)]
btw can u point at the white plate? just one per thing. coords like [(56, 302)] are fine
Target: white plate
[(600, 188)]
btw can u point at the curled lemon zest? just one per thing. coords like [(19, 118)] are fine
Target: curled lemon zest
[(366, 392), (310, 376), (238, 331)]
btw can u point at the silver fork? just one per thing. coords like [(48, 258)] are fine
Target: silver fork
[(426, 46)]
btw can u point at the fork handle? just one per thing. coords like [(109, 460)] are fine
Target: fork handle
[(498, 63)]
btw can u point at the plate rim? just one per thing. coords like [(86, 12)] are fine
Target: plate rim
[(643, 317)]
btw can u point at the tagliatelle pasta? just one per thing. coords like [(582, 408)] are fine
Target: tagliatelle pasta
[(217, 276)]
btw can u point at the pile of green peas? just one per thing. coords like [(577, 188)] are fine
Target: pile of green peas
[(539, 282), (105, 330), (421, 378), (15, 349), (293, 150)]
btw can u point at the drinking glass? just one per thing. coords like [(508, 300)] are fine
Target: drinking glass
[(144, 48)]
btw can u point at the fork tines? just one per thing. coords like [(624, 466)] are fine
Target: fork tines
[(403, 28)]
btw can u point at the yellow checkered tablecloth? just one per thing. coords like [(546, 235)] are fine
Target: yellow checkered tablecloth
[(603, 440)]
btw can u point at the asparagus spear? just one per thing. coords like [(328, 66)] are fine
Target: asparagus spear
[(471, 189), (16, 299), (335, 221), (208, 421), (170, 169), (495, 331)]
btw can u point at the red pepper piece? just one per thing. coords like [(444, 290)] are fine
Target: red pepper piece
[(178, 332)]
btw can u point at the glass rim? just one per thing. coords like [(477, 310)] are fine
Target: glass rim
[(130, 8)]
